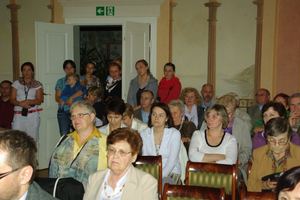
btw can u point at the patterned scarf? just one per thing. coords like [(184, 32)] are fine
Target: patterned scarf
[(143, 84), (64, 164), (32, 84)]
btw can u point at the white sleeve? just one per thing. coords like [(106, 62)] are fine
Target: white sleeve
[(231, 152), (194, 154)]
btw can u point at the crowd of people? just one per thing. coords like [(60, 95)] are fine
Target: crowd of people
[(101, 135)]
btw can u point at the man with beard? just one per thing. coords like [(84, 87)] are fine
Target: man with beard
[(207, 94), (18, 162)]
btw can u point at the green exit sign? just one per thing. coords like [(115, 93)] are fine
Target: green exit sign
[(108, 11), (100, 11)]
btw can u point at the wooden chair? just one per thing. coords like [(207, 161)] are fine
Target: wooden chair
[(244, 195), (249, 165), (153, 166), (213, 175), (182, 192)]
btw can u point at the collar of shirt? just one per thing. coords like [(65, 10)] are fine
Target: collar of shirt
[(76, 137), (24, 196), (206, 106)]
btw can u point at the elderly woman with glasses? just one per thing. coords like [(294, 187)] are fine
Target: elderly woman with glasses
[(82, 152), (122, 180), (278, 156)]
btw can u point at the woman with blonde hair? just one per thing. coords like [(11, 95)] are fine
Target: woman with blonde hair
[(192, 109)]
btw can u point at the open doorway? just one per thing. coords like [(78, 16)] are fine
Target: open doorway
[(100, 44)]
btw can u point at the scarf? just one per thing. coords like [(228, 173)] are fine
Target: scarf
[(32, 84), (193, 116), (143, 84)]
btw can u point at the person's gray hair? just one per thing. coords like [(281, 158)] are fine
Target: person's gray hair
[(293, 96), (177, 103), (84, 105), (235, 96)]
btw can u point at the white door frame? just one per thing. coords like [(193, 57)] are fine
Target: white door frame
[(152, 21)]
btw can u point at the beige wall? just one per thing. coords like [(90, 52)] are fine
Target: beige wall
[(235, 41), (281, 47), (163, 38), (30, 11)]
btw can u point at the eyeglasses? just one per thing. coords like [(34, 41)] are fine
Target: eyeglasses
[(79, 115), (119, 153), (280, 142), (8, 173)]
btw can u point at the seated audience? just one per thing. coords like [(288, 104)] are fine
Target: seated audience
[(207, 93), (288, 186), (272, 110), (6, 108), (241, 114), (214, 144), (114, 111), (294, 119), (280, 98), (162, 139), (18, 163), (238, 128), (185, 127), (278, 156), (262, 97), (192, 109), (114, 83), (169, 86), (130, 121), (147, 99), (143, 81), (284, 99), (122, 180), (82, 152), (94, 97)]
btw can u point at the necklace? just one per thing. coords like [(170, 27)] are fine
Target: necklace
[(108, 196)]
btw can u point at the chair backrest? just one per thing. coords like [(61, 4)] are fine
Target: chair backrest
[(153, 166), (249, 165), (212, 175), (182, 192), (244, 195)]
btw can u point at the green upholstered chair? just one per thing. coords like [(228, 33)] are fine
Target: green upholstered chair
[(244, 195), (213, 175), (187, 192), (153, 166)]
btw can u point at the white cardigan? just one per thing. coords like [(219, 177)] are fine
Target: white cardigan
[(169, 149), (138, 125), (105, 129)]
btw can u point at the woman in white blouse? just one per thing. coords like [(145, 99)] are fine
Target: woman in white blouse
[(213, 144), (162, 139)]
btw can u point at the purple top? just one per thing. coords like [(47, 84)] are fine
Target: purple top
[(259, 140)]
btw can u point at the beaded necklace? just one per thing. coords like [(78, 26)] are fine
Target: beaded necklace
[(108, 196)]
